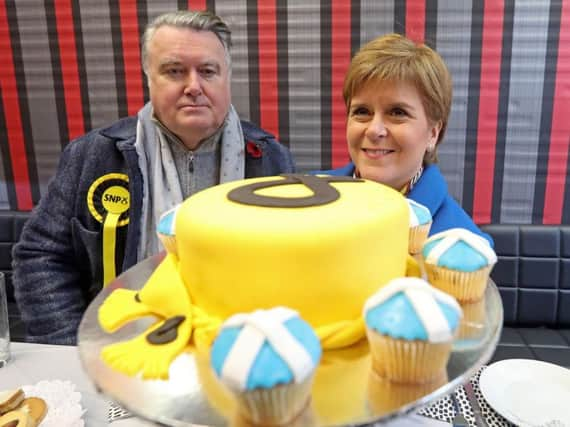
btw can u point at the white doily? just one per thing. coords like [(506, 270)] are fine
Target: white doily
[(63, 402)]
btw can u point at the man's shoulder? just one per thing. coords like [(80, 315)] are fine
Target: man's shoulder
[(252, 132), (265, 155), (122, 129)]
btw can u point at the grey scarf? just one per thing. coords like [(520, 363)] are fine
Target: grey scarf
[(161, 185)]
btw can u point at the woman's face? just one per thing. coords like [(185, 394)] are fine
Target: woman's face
[(388, 132)]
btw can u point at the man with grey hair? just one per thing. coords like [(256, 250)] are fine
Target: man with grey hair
[(100, 212)]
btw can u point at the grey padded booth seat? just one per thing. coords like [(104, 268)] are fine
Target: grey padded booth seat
[(533, 275)]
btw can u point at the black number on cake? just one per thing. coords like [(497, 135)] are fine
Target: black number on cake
[(167, 332), (323, 192)]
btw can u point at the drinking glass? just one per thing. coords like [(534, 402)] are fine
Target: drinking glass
[(4, 325)]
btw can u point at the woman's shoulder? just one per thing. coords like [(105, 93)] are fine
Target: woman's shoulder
[(452, 215), (433, 193)]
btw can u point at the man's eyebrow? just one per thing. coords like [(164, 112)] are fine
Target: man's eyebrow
[(168, 62), (214, 64)]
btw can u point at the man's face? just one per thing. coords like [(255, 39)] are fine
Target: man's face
[(188, 80)]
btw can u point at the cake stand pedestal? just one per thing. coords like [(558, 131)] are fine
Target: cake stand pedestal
[(345, 390)]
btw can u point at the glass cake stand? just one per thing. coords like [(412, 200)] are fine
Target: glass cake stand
[(345, 391)]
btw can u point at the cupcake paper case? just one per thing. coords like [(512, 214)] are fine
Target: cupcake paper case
[(420, 224), (459, 262), (410, 328), (267, 359), (166, 230)]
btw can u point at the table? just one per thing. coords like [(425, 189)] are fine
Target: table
[(32, 363), (29, 366)]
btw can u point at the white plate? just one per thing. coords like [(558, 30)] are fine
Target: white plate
[(528, 392)]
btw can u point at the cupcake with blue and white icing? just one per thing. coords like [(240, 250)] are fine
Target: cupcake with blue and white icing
[(410, 327), (166, 230), (459, 262), (420, 224), (267, 358)]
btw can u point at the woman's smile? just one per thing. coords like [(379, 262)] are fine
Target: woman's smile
[(377, 153)]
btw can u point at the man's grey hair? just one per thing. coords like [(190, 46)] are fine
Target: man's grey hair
[(194, 20)]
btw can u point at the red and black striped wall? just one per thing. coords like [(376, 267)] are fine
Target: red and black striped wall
[(69, 66)]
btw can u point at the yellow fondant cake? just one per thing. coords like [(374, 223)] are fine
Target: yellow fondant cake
[(319, 245)]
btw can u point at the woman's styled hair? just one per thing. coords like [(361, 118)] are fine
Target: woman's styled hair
[(186, 19), (393, 57)]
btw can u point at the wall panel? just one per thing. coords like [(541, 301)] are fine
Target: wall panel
[(72, 66)]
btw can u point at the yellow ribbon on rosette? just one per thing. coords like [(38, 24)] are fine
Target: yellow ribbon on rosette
[(108, 201)]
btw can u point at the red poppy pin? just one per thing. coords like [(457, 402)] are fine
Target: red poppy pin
[(253, 149)]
